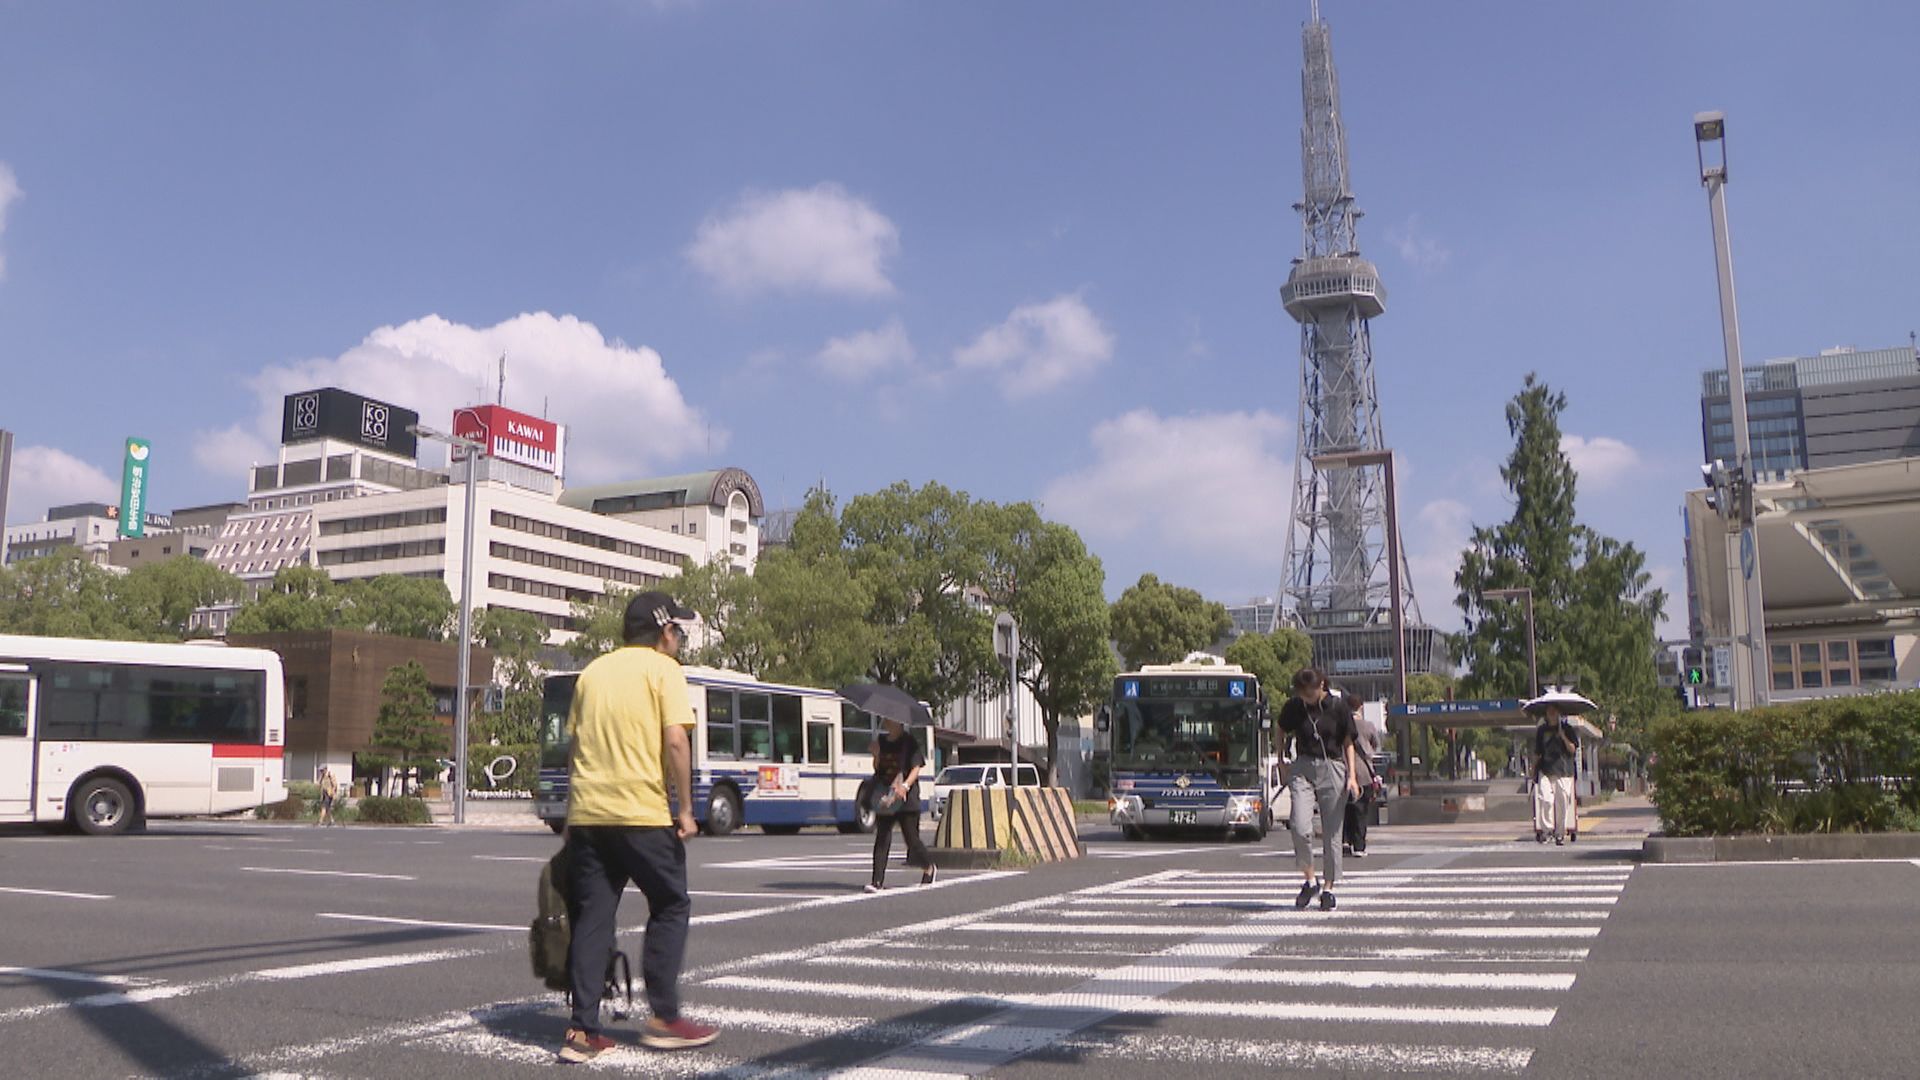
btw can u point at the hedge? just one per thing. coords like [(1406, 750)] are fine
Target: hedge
[(1833, 765), (381, 810), (525, 771)]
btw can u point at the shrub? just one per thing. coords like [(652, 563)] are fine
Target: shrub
[(1833, 765), (526, 767), (384, 810)]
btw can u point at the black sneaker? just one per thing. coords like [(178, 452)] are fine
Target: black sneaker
[(1307, 893), (1326, 900), (927, 877), (1346, 850), (1573, 835), (1539, 836), (1557, 842)]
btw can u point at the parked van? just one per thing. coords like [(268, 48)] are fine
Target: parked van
[(981, 775)]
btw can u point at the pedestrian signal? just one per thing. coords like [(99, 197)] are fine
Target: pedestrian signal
[(1696, 676)]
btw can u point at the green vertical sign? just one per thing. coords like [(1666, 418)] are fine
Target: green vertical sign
[(133, 488)]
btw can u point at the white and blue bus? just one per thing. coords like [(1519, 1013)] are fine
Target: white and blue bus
[(767, 754), (1189, 746)]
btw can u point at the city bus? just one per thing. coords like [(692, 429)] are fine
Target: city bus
[(766, 754), (103, 735), (1189, 746)]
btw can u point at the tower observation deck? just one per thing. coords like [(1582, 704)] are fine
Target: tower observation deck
[(1337, 581)]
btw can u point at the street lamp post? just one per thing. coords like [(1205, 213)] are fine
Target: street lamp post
[(1384, 458), (1746, 609), (1522, 593), (1006, 643), (474, 452)]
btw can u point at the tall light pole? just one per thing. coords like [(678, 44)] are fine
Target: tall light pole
[(1006, 643), (474, 452), (1397, 612), (1522, 593), (1746, 608)]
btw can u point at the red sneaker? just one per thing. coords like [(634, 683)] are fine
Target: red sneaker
[(681, 1034), (580, 1045)]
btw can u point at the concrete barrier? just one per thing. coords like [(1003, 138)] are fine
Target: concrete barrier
[(980, 826)]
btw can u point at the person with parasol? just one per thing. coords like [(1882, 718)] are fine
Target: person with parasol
[(1556, 756), (897, 762)]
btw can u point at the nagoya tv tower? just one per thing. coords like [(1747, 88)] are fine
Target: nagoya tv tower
[(1337, 577)]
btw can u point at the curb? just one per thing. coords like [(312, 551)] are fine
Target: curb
[(1809, 846)]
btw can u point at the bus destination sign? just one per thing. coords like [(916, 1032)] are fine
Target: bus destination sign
[(1186, 686)]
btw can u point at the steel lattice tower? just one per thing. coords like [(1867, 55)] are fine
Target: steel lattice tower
[(1336, 565)]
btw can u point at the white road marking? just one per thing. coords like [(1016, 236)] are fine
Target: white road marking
[(1375, 900), (1435, 871), (515, 858), (1355, 979), (1116, 1002), (78, 976), (1302, 928), (1352, 911), (328, 873), (481, 928), (1102, 851), (850, 898), (56, 892), (141, 995), (761, 895)]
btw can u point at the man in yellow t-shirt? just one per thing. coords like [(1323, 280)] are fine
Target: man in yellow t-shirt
[(631, 723)]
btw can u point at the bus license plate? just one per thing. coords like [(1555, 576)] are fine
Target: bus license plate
[(1183, 817)]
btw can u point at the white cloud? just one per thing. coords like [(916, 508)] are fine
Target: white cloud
[(1040, 346), (1207, 489), (1674, 623), (1599, 461), (820, 239), (1416, 248), (860, 356), (45, 477), (1440, 532), (625, 415), (9, 193)]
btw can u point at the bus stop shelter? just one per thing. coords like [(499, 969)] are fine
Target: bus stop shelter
[(1507, 714)]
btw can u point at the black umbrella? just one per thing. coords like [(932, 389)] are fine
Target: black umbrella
[(887, 702)]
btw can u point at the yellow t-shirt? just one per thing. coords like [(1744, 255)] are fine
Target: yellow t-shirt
[(621, 707)]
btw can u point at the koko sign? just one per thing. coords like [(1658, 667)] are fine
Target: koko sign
[(336, 414)]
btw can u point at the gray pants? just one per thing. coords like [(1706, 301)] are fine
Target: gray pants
[(1323, 783)]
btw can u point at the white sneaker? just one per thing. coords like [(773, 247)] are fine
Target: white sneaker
[(871, 887)]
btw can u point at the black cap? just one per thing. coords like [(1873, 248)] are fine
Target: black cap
[(649, 611)]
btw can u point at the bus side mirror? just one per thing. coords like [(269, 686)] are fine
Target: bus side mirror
[(1103, 720)]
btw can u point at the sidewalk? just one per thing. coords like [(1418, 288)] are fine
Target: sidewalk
[(488, 813), (1630, 817)]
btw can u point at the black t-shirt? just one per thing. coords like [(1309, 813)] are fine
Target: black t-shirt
[(1319, 731), (1552, 754), (896, 758)]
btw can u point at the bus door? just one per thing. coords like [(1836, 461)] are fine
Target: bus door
[(16, 743), (822, 753)]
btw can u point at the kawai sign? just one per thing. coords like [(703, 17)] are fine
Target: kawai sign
[(514, 436)]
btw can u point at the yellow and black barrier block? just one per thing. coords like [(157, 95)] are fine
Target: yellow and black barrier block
[(988, 826)]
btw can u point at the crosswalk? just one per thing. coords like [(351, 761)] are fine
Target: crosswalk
[(1434, 969)]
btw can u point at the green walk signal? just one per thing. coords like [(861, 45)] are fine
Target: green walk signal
[(1696, 676)]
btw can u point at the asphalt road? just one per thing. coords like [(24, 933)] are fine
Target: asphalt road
[(217, 949)]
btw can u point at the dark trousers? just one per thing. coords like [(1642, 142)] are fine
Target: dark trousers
[(883, 842), (1359, 813), (605, 859)]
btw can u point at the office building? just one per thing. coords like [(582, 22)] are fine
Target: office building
[(1842, 407)]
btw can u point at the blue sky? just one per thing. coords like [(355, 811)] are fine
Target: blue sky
[(1031, 251)]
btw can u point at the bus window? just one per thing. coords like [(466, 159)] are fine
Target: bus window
[(756, 734), (720, 738), (13, 706), (819, 743), (856, 731), (786, 729)]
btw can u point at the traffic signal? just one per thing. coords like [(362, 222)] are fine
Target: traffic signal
[(1694, 666), (1696, 676), (1719, 481)]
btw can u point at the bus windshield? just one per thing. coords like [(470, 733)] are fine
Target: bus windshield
[(1217, 736), (556, 702)]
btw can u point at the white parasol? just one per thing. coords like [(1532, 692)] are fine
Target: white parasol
[(1566, 701)]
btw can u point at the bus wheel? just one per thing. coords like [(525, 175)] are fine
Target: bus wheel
[(862, 812), (723, 812), (558, 825), (102, 807)]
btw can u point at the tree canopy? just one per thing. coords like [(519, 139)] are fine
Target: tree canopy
[(1273, 657), (1594, 607), (1158, 623)]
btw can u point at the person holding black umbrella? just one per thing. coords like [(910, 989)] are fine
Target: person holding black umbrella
[(897, 761)]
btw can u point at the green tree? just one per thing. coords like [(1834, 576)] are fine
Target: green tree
[(1593, 606), (298, 598), (1273, 657), (1158, 623), (395, 604), (159, 599), (406, 733), (516, 638), (1042, 573), (599, 622), (64, 594), (920, 552)]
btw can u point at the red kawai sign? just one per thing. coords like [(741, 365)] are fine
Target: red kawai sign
[(514, 436)]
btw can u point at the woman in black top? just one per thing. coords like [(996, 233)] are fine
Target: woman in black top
[(897, 761), (1322, 730)]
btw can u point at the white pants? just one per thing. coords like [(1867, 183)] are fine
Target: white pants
[(1553, 805)]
